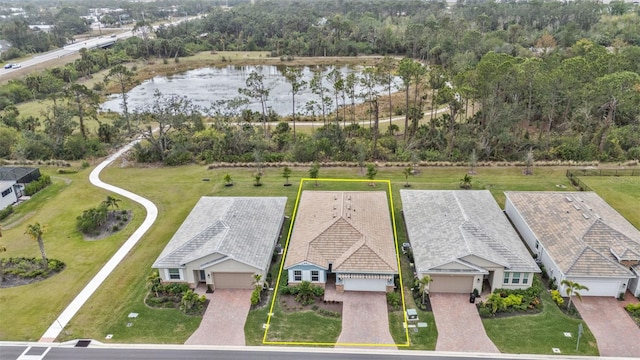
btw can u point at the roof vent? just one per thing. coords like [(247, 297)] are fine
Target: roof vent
[(349, 215), (335, 197), (349, 197), (569, 199), (585, 216), (579, 199), (349, 206), (335, 206), (576, 206), (335, 214)]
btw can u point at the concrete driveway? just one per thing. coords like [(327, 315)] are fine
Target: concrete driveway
[(365, 319), (615, 332), (223, 321), (459, 325)]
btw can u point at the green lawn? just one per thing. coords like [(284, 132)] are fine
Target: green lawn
[(538, 334), (28, 310), (623, 193), (302, 327)]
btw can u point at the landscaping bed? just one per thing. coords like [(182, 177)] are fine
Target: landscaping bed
[(116, 221), (176, 296), (634, 311), (22, 271), (326, 308)]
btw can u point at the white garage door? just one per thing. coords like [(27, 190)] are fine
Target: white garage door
[(451, 284), (609, 287), (365, 285), (233, 280)]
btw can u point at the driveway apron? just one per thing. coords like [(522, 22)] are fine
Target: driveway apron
[(365, 319), (223, 321), (459, 325), (615, 332)]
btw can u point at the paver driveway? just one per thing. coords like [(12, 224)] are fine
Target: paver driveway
[(223, 321), (459, 325), (365, 319), (615, 332)]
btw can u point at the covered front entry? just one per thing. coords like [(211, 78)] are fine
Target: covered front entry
[(451, 284), (232, 280)]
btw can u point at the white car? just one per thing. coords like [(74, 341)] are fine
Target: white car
[(12, 66)]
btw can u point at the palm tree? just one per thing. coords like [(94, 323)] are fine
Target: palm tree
[(465, 182), (36, 231), (2, 249), (406, 172), (257, 282), (572, 288), (424, 285), (111, 202), (154, 281)]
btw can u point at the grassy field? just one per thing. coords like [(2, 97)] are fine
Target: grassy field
[(27, 311), (623, 193), (538, 334)]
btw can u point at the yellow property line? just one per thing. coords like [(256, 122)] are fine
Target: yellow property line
[(286, 247)]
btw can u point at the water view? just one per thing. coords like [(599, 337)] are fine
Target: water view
[(207, 85)]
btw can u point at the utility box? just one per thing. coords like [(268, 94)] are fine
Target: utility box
[(412, 315)]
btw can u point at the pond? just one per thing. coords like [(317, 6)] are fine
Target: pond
[(205, 86)]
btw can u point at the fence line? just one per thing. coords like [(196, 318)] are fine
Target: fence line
[(580, 185)]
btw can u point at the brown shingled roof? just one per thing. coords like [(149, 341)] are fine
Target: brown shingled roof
[(350, 229)]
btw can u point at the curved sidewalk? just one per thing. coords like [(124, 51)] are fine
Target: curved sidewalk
[(152, 213)]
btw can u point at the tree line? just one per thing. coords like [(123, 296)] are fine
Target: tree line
[(547, 80)]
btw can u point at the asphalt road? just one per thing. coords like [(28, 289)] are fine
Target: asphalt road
[(250, 353), (75, 47)]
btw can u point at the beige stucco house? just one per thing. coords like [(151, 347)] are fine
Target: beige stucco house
[(579, 237), (343, 236)]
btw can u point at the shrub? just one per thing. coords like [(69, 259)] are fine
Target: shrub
[(393, 299), (557, 298), (634, 309), (35, 186), (4, 213), (328, 313), (484, 311), (255, 295), (92, 219)]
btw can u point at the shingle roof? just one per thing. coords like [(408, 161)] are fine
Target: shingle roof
[(240, 228), (350, 229), (579, 230), (446, 226)]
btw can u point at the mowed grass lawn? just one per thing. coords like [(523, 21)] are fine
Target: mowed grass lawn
[(27, 311), (175, 191), (538, 334)]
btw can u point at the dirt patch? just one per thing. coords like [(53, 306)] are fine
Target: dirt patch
[(116, 221), (289, 305)]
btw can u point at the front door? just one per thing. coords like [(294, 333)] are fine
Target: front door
[(203, 277)]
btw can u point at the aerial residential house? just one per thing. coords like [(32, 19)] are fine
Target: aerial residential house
[(462, 239), (13, 181), (579, 237), (344, 237), (224, 242)]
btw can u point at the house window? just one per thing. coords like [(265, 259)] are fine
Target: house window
[(506, 278), (315, 275), (525, 278), (174, 274), (297, 275), (6, 192), (515, 279)]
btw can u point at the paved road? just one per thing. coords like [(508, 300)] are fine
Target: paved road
[(74, 48), (152, 213), (164, 352)]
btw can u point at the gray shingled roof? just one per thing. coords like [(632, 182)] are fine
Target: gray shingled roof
[(580, 231), (240, 228), (446, 226)]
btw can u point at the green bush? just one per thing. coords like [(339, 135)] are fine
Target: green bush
[(557, 298), (393, 299), (92, 219), (328, 313), (634, 309), (35, 186), (255, 295), (484, 311), (4, 213)]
